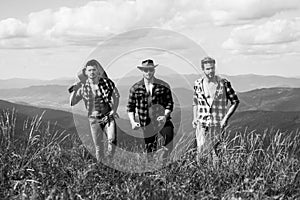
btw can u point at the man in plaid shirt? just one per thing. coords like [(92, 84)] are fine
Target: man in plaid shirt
[(151, 99), (101, 99), (210, 111)]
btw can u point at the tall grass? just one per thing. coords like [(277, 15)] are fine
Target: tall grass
[(38, 166)]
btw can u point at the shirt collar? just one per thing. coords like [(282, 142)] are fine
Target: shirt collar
[(142, 83), (217, 78), (87, 82)]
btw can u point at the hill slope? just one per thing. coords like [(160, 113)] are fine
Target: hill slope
[(271, 99), (182, 119), (57, 97), (254, 120)]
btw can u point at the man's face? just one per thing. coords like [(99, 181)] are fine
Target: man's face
[(148, 73), (209, 70), (92, 72)]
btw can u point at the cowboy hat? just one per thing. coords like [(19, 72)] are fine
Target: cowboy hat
[(147, 64)]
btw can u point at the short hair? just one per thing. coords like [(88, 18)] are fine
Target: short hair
[(96, 64), (207, 60), (93, 62)]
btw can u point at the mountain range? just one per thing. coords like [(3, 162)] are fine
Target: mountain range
[(57, 97), (264, 103), (241, 83)]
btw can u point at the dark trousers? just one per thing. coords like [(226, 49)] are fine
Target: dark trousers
[(151, 132)]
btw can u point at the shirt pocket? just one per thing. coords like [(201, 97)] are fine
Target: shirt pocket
[(140, 99), (161, 94), (160, 97)]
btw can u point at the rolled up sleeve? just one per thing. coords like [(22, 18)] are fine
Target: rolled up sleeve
[(169, 99), (231, 94), (131, 100), (195, 98)]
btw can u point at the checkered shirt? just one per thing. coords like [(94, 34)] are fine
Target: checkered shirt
[(147, 106), (212, 115), (91, 101)]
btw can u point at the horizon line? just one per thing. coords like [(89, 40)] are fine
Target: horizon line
[(69, 77)]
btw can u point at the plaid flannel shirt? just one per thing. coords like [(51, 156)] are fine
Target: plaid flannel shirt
[(148, 106), (104, 94), (212, 115)]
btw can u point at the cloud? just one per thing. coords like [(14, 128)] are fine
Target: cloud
[(12, 28), (272, 37), (95, 21), (232, 12)]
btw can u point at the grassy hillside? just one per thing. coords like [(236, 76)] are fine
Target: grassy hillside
[(62, 118), (182, 119), (260, 120), (73, 124), (40, 167), (271, 99)]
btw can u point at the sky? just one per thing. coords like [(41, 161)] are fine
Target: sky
[(54, 39)]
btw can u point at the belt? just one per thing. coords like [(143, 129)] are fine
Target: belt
[(101, 118)]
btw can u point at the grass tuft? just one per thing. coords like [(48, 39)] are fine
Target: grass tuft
[(254, 166)]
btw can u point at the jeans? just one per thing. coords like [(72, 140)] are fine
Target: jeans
[(109, 128), (208, 141), (151, 132)]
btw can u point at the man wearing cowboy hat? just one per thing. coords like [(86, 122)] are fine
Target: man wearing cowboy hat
[(151, 99)]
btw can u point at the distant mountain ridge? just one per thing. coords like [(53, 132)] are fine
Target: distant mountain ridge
[(15, 83), (240, 83), (50, 96), (57, 97)]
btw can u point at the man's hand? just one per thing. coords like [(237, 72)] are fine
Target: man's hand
[(194, 123), (74, 87), (135, 125), (161, 119), (114, 114), (224, 123)]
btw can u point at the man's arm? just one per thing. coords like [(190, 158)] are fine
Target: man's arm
[(229, 113), (195, 109), (76, 95), (115, 100), (169, 100), (168, 106), (131, 109), (113, 95), (234, 100), (131, 117)]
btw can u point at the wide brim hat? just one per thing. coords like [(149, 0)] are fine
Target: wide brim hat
[(146, 64)]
